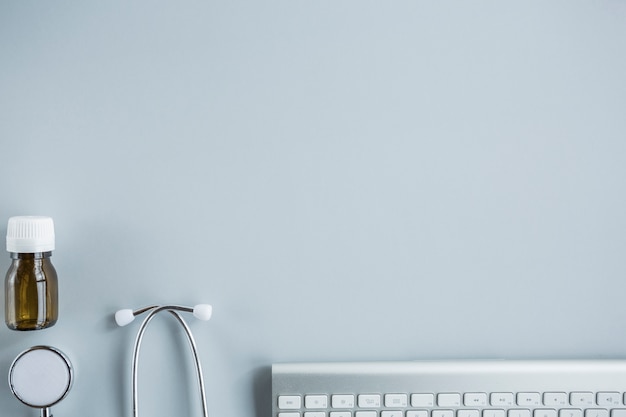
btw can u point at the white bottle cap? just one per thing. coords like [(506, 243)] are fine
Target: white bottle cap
[(30, 234)]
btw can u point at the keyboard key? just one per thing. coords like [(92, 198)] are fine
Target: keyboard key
[(596, 412), (442, 413), (609, 398), (417, 413), (468, 413), (516, 412), (342, 401), (555, 398), (544, 412), (289, 402), (388, 413), (396, 400), (581, 399), (475, 399), (618, 412), (422, 400), (340, 414), (365, 414), (501, 399), (289, 414), (527, 399), (314, 414), (316, 401), (493, 413), (449, 400), (369, 400), (570, 412)]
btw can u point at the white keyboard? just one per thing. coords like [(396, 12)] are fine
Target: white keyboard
[(594, 388)]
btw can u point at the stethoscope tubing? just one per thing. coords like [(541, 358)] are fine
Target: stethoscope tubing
[(172, 309)]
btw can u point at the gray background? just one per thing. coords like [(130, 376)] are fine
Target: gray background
[(342, 180)]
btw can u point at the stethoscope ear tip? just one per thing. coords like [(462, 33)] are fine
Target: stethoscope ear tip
[(203, 311), (124, 317)]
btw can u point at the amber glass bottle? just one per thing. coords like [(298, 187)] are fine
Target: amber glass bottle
[(31, 284)]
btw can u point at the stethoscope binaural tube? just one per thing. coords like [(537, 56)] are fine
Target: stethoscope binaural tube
[(201, 311)]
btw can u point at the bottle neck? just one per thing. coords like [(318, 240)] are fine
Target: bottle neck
[(36, 255)]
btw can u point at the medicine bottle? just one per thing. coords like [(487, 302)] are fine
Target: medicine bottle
[(31, 285)]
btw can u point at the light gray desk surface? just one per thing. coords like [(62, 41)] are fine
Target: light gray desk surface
[(342, 180)]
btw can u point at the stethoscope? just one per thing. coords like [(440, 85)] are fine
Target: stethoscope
[(200, 311), (42, 376)]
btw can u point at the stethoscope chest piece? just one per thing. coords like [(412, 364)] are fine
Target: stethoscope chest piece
[(41, 377)]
